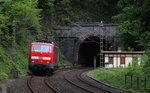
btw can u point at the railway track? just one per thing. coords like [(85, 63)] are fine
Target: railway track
[(79, 76), (58, 80), (46, 83), (74, 77), (29, 85), (70, 81)]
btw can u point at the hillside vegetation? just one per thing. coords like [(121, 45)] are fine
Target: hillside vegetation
[(19, 20)]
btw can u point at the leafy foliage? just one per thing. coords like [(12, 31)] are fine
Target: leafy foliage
[(18, 14), (23, 11), (63, 61), (7, 63), (134, 23), (146, 66), (4, 30), (55, 12), (3, 76), (135, 69)]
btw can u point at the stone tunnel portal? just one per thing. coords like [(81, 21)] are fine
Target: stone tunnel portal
[(89, 48)]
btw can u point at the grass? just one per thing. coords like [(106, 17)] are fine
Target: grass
[(114, 76)]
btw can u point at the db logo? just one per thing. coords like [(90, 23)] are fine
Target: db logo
[(40, 58)]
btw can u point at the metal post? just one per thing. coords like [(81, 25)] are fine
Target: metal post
[(125, 80), (105, 43), (94, 62), (14, 70), (101, 44), (131, 80), (14, 40), (137, 82), (145, 83)]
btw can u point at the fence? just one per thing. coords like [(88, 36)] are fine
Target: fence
[(138, 83)]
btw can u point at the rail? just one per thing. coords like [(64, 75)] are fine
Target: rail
[(70, 81), (46, 81), (29, 84)]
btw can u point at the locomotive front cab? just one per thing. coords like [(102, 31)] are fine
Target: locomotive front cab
[(41, 56)]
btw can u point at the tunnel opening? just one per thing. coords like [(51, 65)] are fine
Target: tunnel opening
[(89, 48)]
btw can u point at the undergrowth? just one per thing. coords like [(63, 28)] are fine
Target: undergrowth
[(63, 61), (7, 62)]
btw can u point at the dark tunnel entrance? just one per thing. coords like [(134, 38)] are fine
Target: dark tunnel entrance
[(90, 47), (87, 50)]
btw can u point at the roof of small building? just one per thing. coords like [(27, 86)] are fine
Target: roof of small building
[(123, 52)]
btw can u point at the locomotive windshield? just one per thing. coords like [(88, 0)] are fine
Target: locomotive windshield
[(41, 48)]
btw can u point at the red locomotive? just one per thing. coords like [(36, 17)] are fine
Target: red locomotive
[(43, 57)]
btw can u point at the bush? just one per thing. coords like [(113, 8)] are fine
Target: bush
[(7, 62), (146, 65), (3, 76), (130, 90), (63, 60), (135, 69)]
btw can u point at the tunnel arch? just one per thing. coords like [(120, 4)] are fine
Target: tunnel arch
[(87, 50)]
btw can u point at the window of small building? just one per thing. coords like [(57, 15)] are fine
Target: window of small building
[(110, 60), (134, 58), (122, 60)]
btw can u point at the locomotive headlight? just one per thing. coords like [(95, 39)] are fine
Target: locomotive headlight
[(46, 58), (34, 57)]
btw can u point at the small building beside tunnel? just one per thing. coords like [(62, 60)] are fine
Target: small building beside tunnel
[(120, 58)]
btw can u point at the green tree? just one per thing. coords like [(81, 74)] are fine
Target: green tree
[(91, 11), (4, 30), (55, 12), (24, 12), (134, 23)]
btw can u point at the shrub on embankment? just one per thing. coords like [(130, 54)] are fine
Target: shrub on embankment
[(133, 77), (63, 61), (8, 62)]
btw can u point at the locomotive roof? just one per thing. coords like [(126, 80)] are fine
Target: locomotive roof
[(43, 43), (123, 52)]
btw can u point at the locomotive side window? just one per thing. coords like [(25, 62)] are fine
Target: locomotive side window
[(41, 48)]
